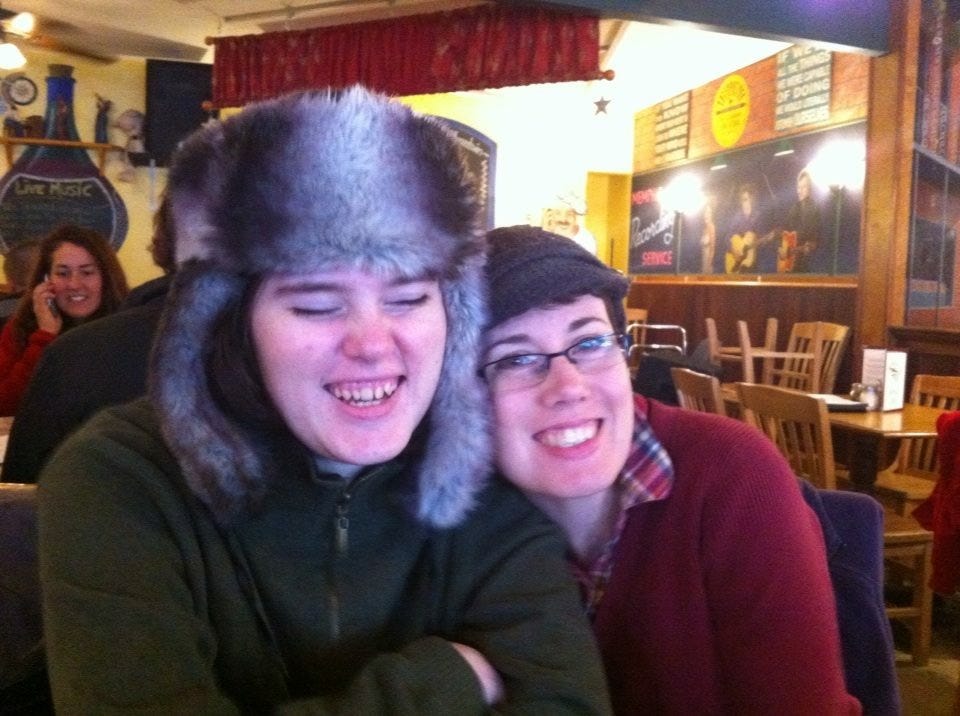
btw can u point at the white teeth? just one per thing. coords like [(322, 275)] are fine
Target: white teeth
[(568, 437), (366, 395)]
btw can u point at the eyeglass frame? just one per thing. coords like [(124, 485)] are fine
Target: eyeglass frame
[(619, 338)]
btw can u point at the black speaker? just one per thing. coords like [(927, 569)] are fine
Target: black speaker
[(176, 92)]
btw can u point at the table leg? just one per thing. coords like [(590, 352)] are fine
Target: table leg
[(864, 456)]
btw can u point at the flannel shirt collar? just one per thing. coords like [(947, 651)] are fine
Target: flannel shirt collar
[(647, 476)]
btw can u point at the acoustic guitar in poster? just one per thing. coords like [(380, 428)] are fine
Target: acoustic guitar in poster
[(743, 250), (787, 253)]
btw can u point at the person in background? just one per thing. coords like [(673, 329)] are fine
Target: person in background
[(298, 516), (702, 569), (708, 237), (801, 235), (742, 241), (100, 363), (76, 278), (17, 269)]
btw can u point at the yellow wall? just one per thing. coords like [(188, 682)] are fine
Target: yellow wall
[(608, 218), (548, 138)]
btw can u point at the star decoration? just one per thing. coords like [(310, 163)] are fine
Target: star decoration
[(601, 105)]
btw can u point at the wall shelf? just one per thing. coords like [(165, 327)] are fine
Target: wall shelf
[(99, 148)]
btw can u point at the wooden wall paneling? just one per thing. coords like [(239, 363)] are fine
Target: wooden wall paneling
[(886, 205), (929, 350), (688, 303)]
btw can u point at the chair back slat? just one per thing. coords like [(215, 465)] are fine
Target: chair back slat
[(797, 424), (698, 391), (833, 345), (810, 361), (918, 456)]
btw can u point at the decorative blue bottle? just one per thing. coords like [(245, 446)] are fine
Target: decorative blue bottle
[(50, 185)]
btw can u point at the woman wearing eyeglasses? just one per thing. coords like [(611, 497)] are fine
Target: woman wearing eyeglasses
[(702, 569)]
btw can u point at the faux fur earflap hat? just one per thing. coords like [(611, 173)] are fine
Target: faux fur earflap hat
[(311, 182)]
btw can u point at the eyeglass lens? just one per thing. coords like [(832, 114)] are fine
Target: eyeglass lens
[(527, 370)]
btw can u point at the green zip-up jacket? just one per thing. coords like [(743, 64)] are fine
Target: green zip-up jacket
[(329, 598)]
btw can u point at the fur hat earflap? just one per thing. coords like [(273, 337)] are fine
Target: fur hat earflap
[(309, 182)]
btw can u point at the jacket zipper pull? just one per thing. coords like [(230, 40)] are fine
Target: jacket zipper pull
[(343, 522)]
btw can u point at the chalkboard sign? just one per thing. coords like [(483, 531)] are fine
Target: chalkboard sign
[(54, 184)]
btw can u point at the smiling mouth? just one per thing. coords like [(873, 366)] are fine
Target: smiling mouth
[(569, 437), (364, 395)]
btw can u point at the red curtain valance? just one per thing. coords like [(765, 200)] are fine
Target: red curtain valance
[(474, 48)]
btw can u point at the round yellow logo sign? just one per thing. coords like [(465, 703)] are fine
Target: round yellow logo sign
[(731, 108)]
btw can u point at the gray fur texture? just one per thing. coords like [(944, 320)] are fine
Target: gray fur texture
[(314, 182)]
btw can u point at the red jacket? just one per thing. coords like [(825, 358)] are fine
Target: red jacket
[(940, 512), (720, 601), (17, 365)]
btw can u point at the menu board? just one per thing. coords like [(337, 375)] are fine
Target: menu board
[(671, 129)]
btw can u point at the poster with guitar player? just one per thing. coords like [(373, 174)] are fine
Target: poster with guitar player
[(758, 211)]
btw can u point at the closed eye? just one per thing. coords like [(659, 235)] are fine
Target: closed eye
[(312, 310), (409, 302)]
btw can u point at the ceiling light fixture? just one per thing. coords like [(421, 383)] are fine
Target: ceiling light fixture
[(23, 23), (10, 56), (784, 147)]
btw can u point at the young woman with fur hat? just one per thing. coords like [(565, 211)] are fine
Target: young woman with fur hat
[(298, 516), (703, 571)]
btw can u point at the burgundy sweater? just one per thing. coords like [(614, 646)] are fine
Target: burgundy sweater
[(720, 600)]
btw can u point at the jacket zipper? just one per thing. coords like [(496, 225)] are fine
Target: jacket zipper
[(341, 542)]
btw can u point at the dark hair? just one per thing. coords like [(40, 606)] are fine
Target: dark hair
[(114, 282), (18, 263), (163, 242), (233, 371)]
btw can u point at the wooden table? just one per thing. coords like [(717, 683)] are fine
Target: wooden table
[(868, 442)]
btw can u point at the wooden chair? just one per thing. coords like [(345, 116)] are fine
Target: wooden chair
[(698, 391), (910, 481), (720, 354), (798, 424), (809, 363), (637, 332)]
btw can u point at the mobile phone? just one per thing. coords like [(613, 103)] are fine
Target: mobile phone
[(51, 302)]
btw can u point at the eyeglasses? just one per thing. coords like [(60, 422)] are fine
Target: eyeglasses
[(589, 355)]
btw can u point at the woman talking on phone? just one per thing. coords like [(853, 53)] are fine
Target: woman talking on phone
[(77, 278)]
